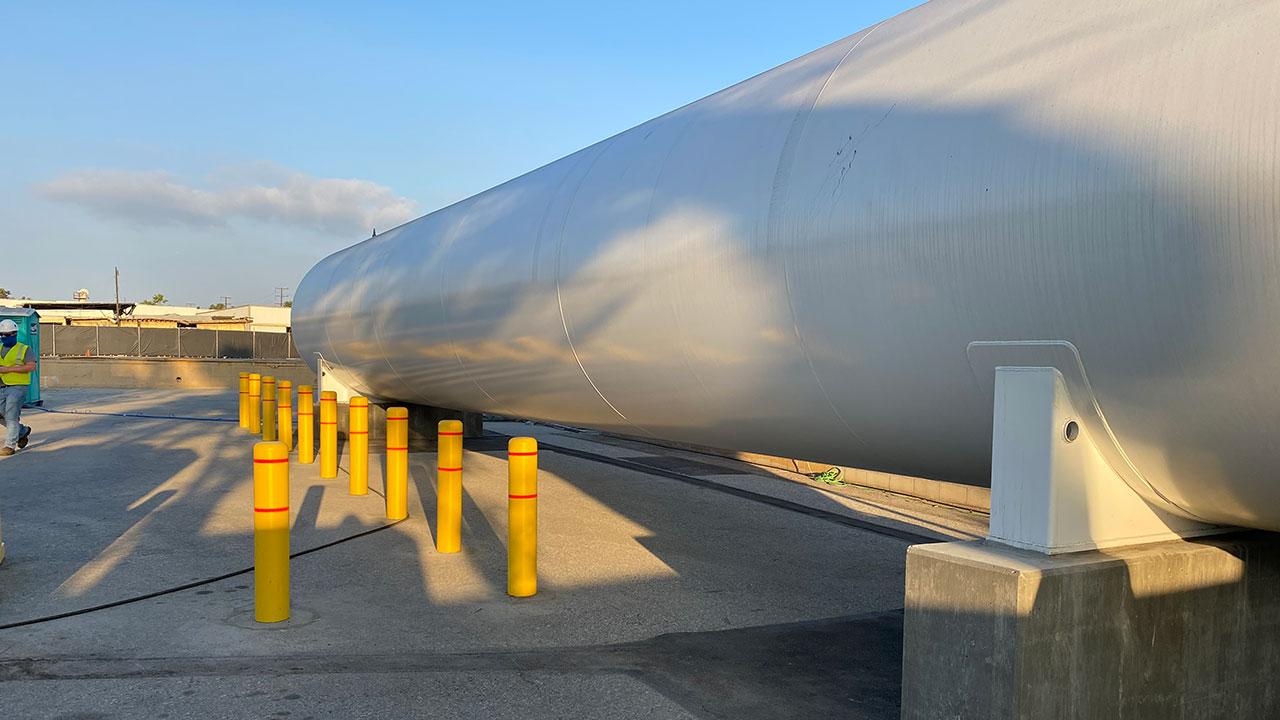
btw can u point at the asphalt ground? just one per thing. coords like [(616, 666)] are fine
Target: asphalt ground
[(671, 584)]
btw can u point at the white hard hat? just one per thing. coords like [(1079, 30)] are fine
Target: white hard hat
[(8, 326)]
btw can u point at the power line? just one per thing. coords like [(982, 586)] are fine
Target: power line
[(282, 291)]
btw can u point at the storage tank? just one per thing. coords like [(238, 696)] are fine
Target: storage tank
[(826, 260)]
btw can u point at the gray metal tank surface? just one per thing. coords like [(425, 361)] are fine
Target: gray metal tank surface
[(827, 260)]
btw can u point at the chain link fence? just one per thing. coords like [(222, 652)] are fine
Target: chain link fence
[(90, 341)]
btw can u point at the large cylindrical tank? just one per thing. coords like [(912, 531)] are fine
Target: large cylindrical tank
[(800, 264)]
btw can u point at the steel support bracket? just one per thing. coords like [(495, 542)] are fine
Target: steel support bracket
[(1052, 490)]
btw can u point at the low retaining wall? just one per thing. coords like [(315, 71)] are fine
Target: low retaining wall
[(423, 423), (144, 373), (969, 497)]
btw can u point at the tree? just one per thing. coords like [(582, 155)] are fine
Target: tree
[(158, 299), (288, 303), (218, 306), (5, 294)]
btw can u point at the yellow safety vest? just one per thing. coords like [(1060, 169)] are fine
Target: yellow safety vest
[(9, 359)]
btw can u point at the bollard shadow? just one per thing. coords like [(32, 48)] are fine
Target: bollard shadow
[(481, 540), (423, 477), (684, 539), (124, 488), (309, 510)]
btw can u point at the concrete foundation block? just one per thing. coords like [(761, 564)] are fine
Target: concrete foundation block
[(423, 422), (1177, 630)]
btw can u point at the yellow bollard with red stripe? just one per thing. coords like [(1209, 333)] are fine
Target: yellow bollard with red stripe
[(255, 403), (522, 517), (328, 434), (306, 425), (358, 444), (284, 413), (270, 532), (244, 400), (449, 486), (268, 409), (397, 463)]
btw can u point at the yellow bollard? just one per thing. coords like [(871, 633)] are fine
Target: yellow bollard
[(268, 409), (397, 463), (306, 425), (244, 400), (522, 517), (284, 413), (358, 443), (255, 403), (270, 532), (328, 434), (449, 486)]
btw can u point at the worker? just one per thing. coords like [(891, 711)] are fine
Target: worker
[(16, 367)]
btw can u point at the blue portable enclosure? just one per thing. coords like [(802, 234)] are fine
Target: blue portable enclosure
[(28, 321)]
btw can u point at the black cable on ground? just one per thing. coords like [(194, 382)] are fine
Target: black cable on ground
[(779, 503), (133, 416), (187, 586)]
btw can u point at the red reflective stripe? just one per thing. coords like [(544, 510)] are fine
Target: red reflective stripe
[(450, 433), (523, 497), (458, 469), (403, 448), (521, 454), (272, 461), (285, 407), (279, 509), (302, 414), (335, 422)]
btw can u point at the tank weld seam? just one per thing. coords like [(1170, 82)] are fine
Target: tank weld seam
[(564, 322), (785, 160)]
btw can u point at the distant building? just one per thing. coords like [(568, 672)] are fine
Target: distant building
[(260, 318)]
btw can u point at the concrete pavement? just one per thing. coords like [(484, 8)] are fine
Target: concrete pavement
[(659, 596)]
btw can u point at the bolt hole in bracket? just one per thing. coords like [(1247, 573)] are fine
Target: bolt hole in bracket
[(1060, 481), (1071, 431)]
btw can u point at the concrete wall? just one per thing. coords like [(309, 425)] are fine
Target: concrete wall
[(1181, 630), (141, 373)]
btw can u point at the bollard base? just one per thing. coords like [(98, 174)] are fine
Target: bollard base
[(244, 618), (1172, 630)]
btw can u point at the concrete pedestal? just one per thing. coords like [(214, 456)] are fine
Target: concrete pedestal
[(1168, 631), (423, 422)]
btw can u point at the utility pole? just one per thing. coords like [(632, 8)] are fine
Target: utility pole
[(117, 297), (226, 301), (281, 291)]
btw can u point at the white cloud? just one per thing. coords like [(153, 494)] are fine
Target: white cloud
[(331, 205)]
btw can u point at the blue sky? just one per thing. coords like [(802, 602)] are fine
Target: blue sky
[(214, 149)]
